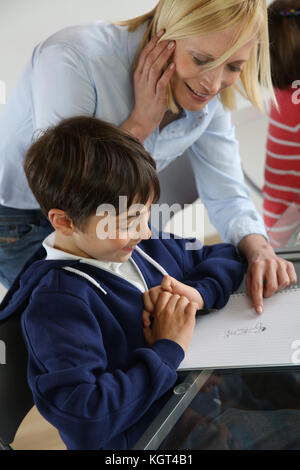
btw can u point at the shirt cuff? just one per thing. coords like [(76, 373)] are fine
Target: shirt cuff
[(241, 228)]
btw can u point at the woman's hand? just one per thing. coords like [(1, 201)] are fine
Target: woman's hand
[(267, 273), (150, 87)]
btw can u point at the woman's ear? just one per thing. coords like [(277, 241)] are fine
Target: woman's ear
[(61, 222)]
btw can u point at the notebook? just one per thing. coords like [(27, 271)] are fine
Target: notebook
[(236, 337)]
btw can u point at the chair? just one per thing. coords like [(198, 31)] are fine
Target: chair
[(178, 187), (178, 183), (15, 395), (252, 184)]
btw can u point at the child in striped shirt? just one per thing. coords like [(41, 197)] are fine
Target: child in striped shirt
[(282, 167)]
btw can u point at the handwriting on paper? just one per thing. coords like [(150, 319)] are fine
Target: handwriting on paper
[(245, 331)]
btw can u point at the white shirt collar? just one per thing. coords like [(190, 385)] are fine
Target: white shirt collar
[(55, 253)]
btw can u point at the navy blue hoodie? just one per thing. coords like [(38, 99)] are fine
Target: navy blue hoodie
[(91, 372)]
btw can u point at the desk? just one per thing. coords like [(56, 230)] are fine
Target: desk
[(271, 390)]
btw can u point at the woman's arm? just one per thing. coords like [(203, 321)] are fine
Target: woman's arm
[(150, 88), (220, 182), (61, 86)]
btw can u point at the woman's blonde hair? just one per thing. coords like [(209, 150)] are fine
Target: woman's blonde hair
[(187, 18)]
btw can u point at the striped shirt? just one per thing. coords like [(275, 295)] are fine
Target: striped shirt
[(282, 168)]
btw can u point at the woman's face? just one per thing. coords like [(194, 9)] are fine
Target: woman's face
[(194, 87)]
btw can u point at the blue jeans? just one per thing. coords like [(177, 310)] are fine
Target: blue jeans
[(21, 234)]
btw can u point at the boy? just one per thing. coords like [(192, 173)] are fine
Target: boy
[(98, 367)]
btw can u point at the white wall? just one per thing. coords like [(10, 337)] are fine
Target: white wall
[(24, 23)]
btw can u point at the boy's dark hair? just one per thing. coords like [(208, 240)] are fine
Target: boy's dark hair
[(284, 32), (83, 162)]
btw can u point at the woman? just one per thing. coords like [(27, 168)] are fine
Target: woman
[(188, 57)]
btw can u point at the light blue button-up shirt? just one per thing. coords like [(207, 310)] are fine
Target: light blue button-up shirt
[(87, 70)]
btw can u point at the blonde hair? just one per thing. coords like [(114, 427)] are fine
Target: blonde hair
[(183, 19)]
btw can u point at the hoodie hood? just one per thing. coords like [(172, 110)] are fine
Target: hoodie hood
[(17, 297)]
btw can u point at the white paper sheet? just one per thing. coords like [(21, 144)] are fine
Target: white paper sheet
[(236, 336)]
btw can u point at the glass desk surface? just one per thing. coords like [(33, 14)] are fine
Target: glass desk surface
[(239, 409)]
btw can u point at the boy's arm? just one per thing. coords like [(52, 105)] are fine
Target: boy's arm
[(71, 372), (215, 271), (209, 276)]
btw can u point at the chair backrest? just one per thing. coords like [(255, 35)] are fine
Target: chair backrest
[(178, 188), (15, 395)]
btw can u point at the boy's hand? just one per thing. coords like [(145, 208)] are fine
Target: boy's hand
[(174, 319), (169, 284)]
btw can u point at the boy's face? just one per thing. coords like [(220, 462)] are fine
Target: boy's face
[(108, 237)]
